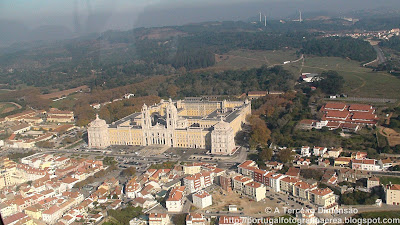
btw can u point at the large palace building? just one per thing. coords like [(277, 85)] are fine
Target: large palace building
[(189, 123)]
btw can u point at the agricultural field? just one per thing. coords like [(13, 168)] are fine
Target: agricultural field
[(68, 102), (392, 136), (6, 107), (360, 81)]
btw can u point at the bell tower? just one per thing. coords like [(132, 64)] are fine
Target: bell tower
[(172, 115), (146, 121)]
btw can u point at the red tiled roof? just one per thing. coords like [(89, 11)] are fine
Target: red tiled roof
[(335, 105), (241, 178), (176, 193), (363, 116), (293, 171), (257, 93), (13, 218), (343, 159), (253, 184), (338, 114), (290, 179), (246, 163), (393, 187), (202, 194), (360, 107), (198, 175), (321, 192)]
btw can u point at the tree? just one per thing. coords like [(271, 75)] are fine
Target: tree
[(109, 161), (266, 154), (179, 219), (260, 134), (129, 172), (285, 155), (332, 82)]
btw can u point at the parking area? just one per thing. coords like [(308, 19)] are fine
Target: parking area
[(152, 150)]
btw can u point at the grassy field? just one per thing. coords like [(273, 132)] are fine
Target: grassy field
[(387, 179), (67, 102), (383, 214), (247, 59), (7, 107), (360, 81)]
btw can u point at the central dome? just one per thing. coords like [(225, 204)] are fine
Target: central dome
[(97, 122)]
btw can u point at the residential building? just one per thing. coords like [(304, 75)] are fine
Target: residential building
[(319, 151), (287, 184), (392, 194), (175, 199), (202, 199), (159, 219), (247, 168), (225, 181), (323, 198), (274, 181), (132, 188), (255, 190), (52, 214), (385, 164), (333, 153), (198, 181), (343, 161), (373, 182), (365, 164), (18, 218), (239, 183), (192, 168), (195, 219), (301, 189), (274, 165), (305, 151)]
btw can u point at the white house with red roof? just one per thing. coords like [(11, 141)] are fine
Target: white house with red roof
[(239, 183), (195, 219), (392, 194), (175, 199), (255, 190), (323, 198), (198, 181), (202, 199), (319, 151), (365, 164), (247, 168), (159, 219)]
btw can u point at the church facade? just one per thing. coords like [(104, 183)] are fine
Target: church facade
[(189, 123)]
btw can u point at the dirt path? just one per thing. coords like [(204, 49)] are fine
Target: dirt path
[(17, 105), (391, 135)]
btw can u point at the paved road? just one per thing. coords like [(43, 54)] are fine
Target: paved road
[(384, 173), (380, 55)]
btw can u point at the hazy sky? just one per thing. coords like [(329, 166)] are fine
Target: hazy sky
[(124, 14), (85, 16)]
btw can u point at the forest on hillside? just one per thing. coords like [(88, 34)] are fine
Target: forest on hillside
[(345, 47), (119, 58)]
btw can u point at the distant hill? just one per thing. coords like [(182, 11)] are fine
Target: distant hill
[(14, 32)]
